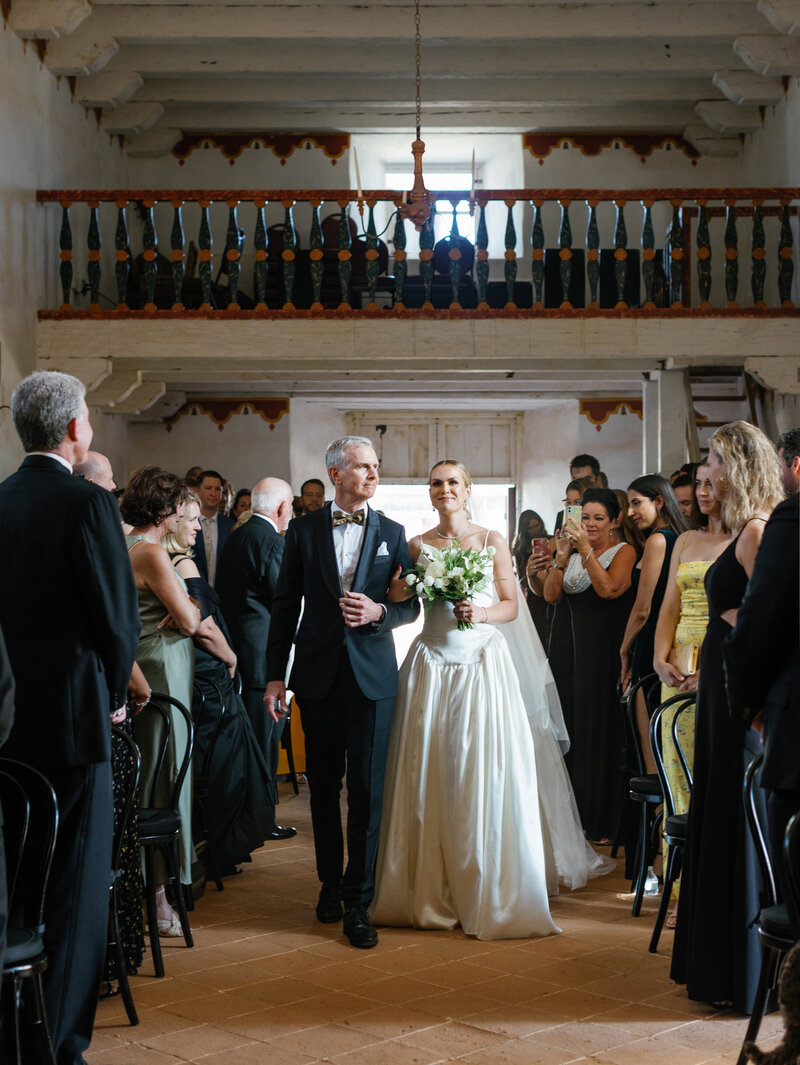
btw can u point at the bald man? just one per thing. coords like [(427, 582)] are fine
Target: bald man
[(247, 576), (97, 469)]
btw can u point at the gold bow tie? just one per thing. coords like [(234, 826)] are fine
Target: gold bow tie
[(340, 518)]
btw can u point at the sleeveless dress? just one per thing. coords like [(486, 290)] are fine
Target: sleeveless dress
[(643, 645), (716, 951), (167, 660), (461, 834)]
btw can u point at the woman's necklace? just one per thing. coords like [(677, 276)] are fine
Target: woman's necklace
[(444, 536)]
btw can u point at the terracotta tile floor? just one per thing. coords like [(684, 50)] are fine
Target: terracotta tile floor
[(267, 985)]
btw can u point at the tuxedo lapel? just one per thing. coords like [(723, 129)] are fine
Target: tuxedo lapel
[(369, 546), (327, 556)]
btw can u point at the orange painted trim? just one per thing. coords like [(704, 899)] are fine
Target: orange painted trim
[(598, 411), (220, 411)]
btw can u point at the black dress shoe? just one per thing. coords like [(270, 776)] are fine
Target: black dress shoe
[(329, 904), (359, 929), (279, 832)]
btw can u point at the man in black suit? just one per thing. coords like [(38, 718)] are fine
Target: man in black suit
[(69, 613), (6, 721), (246, 583), (762, 666), (340, 560), (214, 527)]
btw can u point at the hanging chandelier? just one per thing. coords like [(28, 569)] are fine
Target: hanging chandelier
[(417, 207)]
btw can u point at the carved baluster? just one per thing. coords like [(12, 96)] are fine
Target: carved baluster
[(93, 244), (676, 254), (510, 269), (537, 256), (454, 254), (261, 263), (426, 243), (65, 244), (371, 254), (315, 255), (703, 255), (731, 254), (176, 244), (400, 264), (288, 255), (565, 254), (482, 257), (648, 254), (204, 254), (122, 256), (232, 254), (785, 261), (620, 255), (344, 254), (593, 254), (149, 256), (759, 262)]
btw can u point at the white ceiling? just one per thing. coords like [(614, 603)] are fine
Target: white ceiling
[(160, 69)]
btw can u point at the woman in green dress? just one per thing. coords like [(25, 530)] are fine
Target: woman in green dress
[(153, 505)]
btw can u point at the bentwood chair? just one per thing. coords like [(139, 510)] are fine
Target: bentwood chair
[(643, 789), (129, 787), (674, 823), (159, 825), (777, 921), (31, 824)]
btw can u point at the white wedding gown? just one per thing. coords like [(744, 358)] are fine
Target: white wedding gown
[(468, 836)]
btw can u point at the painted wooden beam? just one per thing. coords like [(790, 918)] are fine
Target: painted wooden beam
[(777, 56), (747, 87), (47, 19), (68, 57), (722, 116), (784, 15), (153, 144), (107, 90), (709, 143), (132, 118)]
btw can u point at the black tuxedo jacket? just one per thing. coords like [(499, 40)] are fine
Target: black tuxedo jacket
[(247, 579), (68, 611), (762, 654), (224, 526), (309, 573)]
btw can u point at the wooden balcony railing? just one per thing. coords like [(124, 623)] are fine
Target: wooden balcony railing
[(290, 253)]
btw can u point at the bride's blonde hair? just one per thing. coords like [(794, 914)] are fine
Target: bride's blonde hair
[(458, 465)]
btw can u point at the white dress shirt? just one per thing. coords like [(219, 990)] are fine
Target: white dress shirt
[(347, 541)]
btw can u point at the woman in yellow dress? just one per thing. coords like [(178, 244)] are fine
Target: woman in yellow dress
[(683, 620)]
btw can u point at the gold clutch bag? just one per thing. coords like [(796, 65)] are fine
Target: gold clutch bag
[(684, 658)]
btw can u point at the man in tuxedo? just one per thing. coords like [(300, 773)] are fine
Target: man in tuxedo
[(762, 666), (69, 612), (246, 583), (214, 527), (340, 561)]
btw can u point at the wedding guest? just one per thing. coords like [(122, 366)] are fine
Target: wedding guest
[(248, 579), (529, 528), (241, 503), (590, 583), (682, 623), (654, 511), (6, 721), (683, 487), (216, 526), (789, 455), (153, 505), (239, 811), (226, 498), (192, 476), (97, 469), (68, 614), (625, 530), (572, 496), (716, 951), (312, 495)]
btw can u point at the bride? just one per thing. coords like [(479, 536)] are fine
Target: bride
[(467, 836)]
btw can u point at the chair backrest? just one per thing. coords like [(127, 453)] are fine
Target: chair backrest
[(683, 700), (754, 808), (159, 705), (34, 845), (791, 858), (207, 726), (127, 782), (648, 684)]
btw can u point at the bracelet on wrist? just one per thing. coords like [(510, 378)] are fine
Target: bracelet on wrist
[(485, 615)]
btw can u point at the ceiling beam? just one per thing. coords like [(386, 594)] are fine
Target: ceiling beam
[(47, 19), (132, 118), (777, 56), (747, 87), (107, 90), (724, 117), (68, 57), (784, 15)]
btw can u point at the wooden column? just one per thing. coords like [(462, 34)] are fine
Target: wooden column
[(648, 255), (288, 265), (537, 256), (316, 256), (454, 256), (232, 254), (93, 246), (261, 258), (482, 258), (759, 268), (65, 267), (703, 256), (565, 255), (204, 254), (620, 255), (510, 269), (371, 255), (344, 255), (785, 261), (121, 256), (676, 254), (400, 264), (176, 245), (427, 241), (731, 255), (593, 255)]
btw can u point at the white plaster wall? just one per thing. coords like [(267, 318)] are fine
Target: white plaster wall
[(247, 449), (549, 440), (48, 141), (312, 426), (787, 412), (618, 446), (771, 155)]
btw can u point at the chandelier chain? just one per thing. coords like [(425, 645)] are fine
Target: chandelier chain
[(417, 43)]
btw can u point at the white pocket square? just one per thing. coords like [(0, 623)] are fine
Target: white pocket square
[(382, 550)]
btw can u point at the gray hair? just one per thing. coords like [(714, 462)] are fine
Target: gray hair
[(42, 407), (267, 502), (336, 453)]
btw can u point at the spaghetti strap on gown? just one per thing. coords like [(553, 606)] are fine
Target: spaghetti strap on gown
[(463, 836)]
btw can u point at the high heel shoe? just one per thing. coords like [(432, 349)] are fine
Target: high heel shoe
[(170, 927)]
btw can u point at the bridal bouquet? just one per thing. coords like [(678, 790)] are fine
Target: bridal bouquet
[(450, 574)]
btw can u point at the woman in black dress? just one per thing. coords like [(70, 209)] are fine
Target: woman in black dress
[(239, 812), (590, 584), (655, 513), (716, 946), (529, 528)]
